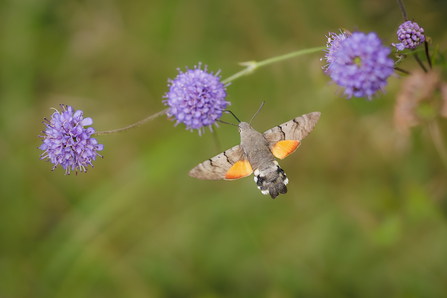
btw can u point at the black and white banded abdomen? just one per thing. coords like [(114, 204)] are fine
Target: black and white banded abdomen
[(271, 179)]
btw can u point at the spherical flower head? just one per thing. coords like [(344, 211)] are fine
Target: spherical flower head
[(361, 65), (196, 98), (67, 142), (410, 35), (332, 44)]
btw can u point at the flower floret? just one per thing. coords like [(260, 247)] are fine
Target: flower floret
[(361, 65), (410, 34), (196, 98), (67, 142), (332, 44)]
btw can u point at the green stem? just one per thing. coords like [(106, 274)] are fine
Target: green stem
[(434, 54), (108, 132), (427, 54), (402, 70), (401, 57), (252, 65), (436, 136), (420, 62), (410, 52)]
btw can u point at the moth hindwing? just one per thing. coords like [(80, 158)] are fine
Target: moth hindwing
[(256, 154)]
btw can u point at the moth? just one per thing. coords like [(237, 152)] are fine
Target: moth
[(256, 154)]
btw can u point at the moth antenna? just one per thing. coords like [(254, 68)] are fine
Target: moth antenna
[(262, 104), (228, 111), (225, 122)]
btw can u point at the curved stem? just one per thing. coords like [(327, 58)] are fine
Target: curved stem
[(252, 65), (436, 136), (108, 132)]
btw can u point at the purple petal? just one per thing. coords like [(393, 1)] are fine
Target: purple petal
[(87, 121)]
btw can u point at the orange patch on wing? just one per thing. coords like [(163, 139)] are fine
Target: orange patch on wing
[(240, 169), (283, 148)]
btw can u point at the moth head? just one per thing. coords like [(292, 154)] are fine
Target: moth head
[(244, 126)]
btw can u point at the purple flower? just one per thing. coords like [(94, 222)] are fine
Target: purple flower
[(67, 143), (196, 98), (410, 35), (333, 41), (361, 65)]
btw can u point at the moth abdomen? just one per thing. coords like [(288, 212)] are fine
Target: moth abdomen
[(271, 180)]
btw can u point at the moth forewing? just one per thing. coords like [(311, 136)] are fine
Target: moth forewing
[(257, 153), (216, 168), (295, 129)]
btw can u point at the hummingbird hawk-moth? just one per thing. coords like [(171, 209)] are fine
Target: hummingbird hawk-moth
[(256, 154)]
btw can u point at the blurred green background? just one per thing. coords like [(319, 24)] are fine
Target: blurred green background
[(365, 215)]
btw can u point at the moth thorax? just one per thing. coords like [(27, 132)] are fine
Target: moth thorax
[(271, 180)]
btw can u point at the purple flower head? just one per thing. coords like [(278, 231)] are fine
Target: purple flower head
[(333, 42), (67, 143), (361, 65), (410, 35), (196, 98)]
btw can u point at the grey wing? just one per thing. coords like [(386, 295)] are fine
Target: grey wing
[(295, 129), (215, 168)]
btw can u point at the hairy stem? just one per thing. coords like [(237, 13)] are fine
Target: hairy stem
[(108, 132), (252, 65)]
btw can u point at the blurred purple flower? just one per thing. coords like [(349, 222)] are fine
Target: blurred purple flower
[(67, 143), (361, 65), (333, 41), (410, 35), (196, 98)]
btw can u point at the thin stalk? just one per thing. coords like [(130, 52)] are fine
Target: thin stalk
[(402, 9), (252, 65), (108, 132), (401, 70), (427, 54), (437, 139), (420, 62), (401, 58), (414, 52), (435, 52)]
